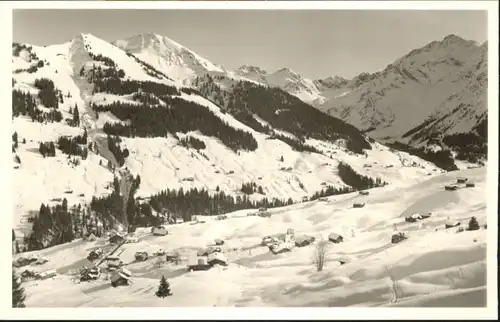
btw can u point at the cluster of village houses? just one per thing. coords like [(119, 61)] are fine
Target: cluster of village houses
[(206, 258)]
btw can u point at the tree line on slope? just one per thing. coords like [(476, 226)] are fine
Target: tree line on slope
[(442, 159), (188, 203), (192, 142), (115, 148), (23, 103), (180, 116), (358, 181), (284, 111)]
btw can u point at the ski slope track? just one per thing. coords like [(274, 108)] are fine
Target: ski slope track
[(434, 267)]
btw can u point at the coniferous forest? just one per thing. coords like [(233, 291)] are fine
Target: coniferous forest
[(360, 182), (180, 116), (283, 111)]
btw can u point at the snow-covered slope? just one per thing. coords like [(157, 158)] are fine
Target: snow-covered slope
[(163, 53), (286, 79), (162, 162), (434, 267), (443, 83)]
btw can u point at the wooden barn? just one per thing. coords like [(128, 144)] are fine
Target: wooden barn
[(470, 185), (113, 262), (304, 240), (219, 242), (281, 247), (217, 258), (451, 187), (45, 275), (94, 254), (335, 238), (451, 223), (398, 237), (159, 231), (358, 205), (141, 256), (200, 265), (462, 180), (121, 277), (364, 193), (413, 218)]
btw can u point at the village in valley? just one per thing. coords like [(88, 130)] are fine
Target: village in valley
[(145, 175)]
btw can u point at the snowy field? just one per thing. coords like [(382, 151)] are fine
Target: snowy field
[(434, 267)]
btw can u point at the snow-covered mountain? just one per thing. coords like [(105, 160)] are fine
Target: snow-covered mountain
[(108, 91), (443, 84), (163, 53), (286, 79), (106, 139), (437, 89)]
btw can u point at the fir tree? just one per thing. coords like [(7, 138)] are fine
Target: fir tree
[(42, 150), (76, 116), (281, 159), (164, 288), (473, 224), (18, 295)]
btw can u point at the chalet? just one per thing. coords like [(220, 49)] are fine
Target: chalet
[(262, 209), (398, 237), (159, 231), (131, 239), (280, 248), (260, 178), (113, 262), (88, 274), (413, 218), (451, 187), (451, 224), (289, 169), (364, 193), (269, 240), (45, 275), (121, 277), (462, 180), (304, 240), (200, 265), (290, 231), (21, 261), (173, 257), (323, 199), (428, 215), (335, 238), (188, 179), (27, 275), (221, 217), (323, 183), (470, 185), (90, 237), (94, 254), (160, 252), (116, 238), (230, 172), (219, 242), (68, 191), (358, 205), (40, 261), (217, 258), (266, 214), (141, 256), (305, 199)]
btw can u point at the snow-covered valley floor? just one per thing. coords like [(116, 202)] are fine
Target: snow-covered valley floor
[(433, 267)]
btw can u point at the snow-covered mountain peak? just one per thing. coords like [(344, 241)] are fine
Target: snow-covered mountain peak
[(331, 82), (165, 54)]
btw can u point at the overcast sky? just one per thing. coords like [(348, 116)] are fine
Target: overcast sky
[(316, 44)]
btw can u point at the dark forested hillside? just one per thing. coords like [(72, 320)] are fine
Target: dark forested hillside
[(180, 116), (282, 111)]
